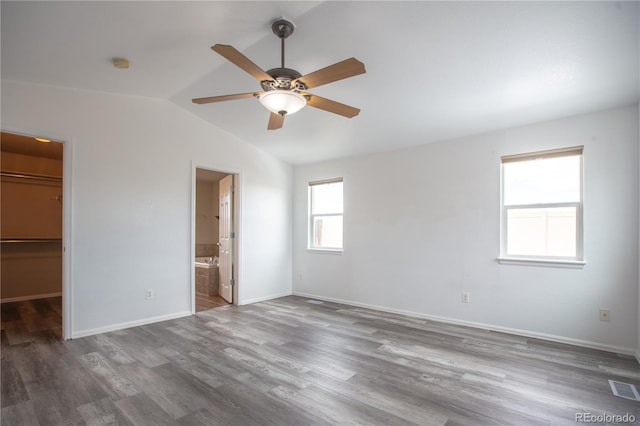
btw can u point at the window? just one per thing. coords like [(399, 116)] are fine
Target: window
[(542, 205), (325, 214)]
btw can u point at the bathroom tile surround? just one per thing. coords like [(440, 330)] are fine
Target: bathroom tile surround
[(206, 250), (207, 281)]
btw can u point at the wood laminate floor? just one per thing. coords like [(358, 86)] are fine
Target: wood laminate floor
[(205, 302), (293, 362)]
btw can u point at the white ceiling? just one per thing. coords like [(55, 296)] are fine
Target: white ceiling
[(435, 70)]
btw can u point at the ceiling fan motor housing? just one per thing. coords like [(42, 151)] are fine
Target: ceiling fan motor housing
[(282, 79)]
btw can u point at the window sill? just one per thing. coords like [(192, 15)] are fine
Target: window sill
[(569, 264), (324, 251)]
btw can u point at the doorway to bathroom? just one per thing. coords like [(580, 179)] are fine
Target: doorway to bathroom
[(214, 239)]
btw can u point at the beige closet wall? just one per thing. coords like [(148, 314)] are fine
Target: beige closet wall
[(31, 209)]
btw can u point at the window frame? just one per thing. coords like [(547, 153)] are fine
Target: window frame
[(543, 260), (312, 216)]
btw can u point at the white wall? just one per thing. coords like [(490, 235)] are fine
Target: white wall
[(131, 207), (421, 225)]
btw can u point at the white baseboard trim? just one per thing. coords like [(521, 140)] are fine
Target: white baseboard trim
[(31, 297), (145, 321), (264, 298), (483, 326), (129, 324)]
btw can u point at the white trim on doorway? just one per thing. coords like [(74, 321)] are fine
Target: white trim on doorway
[(67, 221), (237, 220)]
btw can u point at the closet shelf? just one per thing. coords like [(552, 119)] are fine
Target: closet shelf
[(31, 176), (30, 240)]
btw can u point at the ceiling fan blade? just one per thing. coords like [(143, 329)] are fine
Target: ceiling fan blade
[(331, 106), (338, 71), (224, 98), (275, 121), (235, 57)]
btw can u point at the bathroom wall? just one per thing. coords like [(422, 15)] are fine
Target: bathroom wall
[(30, 210), (206, 217)]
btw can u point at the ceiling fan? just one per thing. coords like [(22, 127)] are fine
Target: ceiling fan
[(284, 90)]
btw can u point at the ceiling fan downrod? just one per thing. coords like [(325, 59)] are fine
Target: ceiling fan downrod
[(282, 29), (282, 77)]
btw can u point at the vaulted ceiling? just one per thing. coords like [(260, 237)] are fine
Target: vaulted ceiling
[(435, 70)]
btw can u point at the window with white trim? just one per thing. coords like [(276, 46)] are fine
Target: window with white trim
[(542, 205), (325, 214)]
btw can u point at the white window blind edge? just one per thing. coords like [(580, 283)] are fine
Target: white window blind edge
[(561, 152), (325, 181)]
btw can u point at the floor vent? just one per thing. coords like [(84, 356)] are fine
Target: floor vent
[(624, 390), (315, 302)]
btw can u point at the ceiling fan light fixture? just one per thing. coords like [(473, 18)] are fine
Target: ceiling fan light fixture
[(283, 102), (285, 89)]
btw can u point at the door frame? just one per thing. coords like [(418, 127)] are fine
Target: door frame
[(67, 250), (237, 224)]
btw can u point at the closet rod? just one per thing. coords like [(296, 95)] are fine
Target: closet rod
[(31, 240), (31, 176)]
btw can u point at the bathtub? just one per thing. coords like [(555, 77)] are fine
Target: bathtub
[(207, 278), (205, 262)]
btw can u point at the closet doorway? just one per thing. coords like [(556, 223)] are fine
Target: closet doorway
[(214, 239), (31, 259)]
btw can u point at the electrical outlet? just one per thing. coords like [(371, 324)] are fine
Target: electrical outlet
[(604, 315), (465, 297), (149, 294)]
